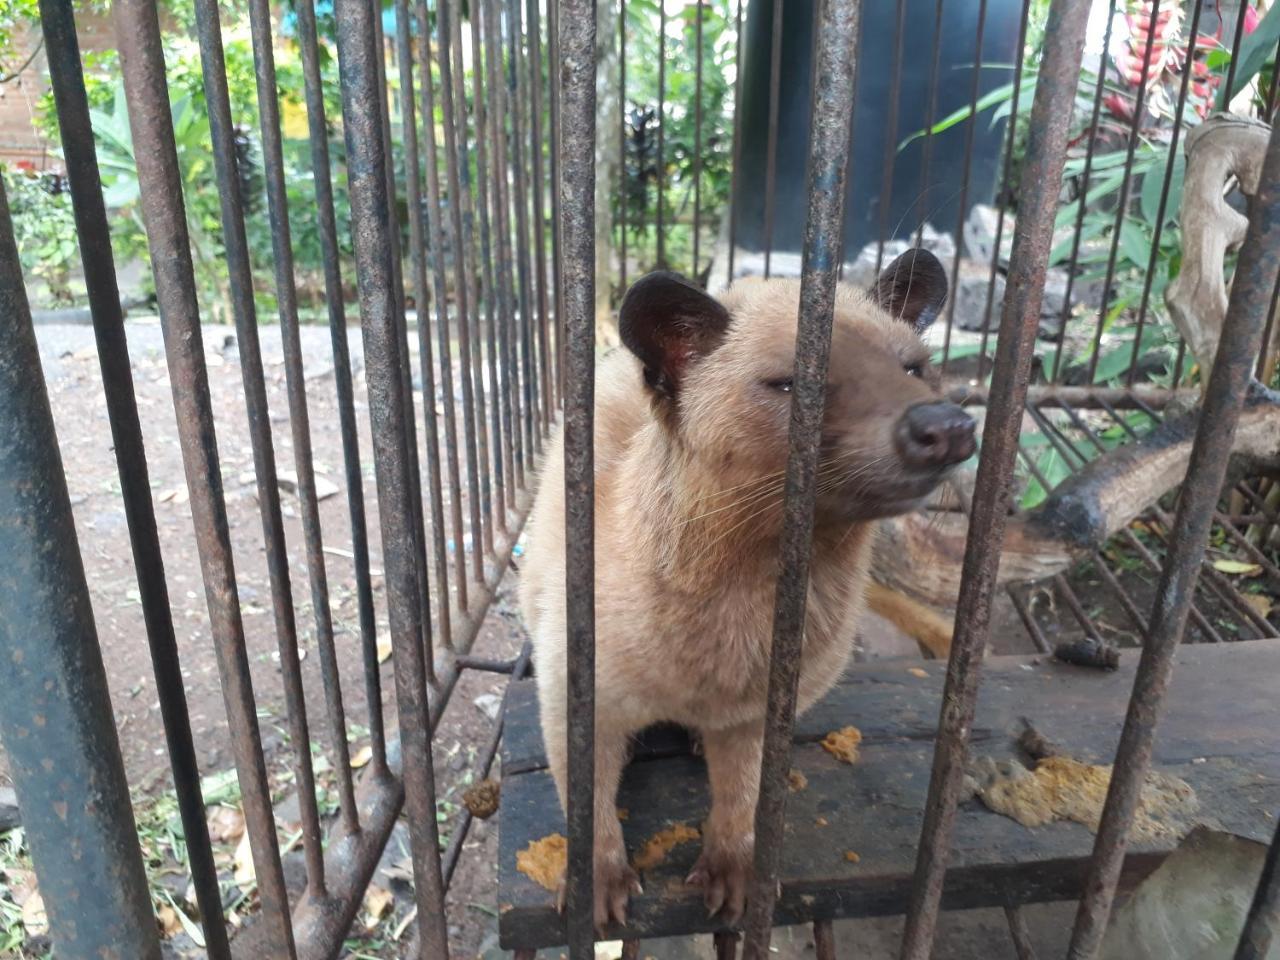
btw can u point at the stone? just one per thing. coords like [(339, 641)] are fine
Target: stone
[(9, 816), (979, 233), (972, 285), (489, 704)]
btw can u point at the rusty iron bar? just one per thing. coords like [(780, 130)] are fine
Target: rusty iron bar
[(622, 153), (422, 296), (1263, 919), (771, 145), (1077, 233), (1225, 394), (726, 944), (296, 390), (970, 128), (470, 353), (577, 68), (402, 347), (1011, 136), (489, 282), (331, 257), (439, 243), (1019, 933), (513, 465), (824, 941), (1126, 179), (358, 53), (457, 169), (55, 715), (240, 282), (888, 160), (1033, 238), (1193, 31), (661, 178), (833, 72), (143, 72), (700, 9), (67, 80), (737, 143), (539, 216), (931, 108), (518, 107), (468, 662), (557, 251), (1054, 395)]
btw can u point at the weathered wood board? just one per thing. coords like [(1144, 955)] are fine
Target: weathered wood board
[(1220, 733)]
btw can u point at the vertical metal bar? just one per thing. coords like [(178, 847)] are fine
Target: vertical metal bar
[(577, 68), (699, 6), (329, 253), (143, 71), (771, 144), (512, 464), (623, 195), (737, 141), (661, 167), (1019, 933), (891, 135), (1263, 919), (1192, 33), (970, 128), (539, 216), (422, 297), (524, 269), (1267, 355), (439, 243), (458, 168), (482, 108), (358, 52), (56, 714), (240, 278), (553, 148), (1122, 202), (1235, 54), (836, 30), (1032, 240), (931, 109), (1251, 288), (295, 386), (726, 945), (63, 51), (1078, 232), (824, 941), (1011, 133), (402, 344)]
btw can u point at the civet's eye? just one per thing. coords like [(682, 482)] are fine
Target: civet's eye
[(913, 370), (782, 386)]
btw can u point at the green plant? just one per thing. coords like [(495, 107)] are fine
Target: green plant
[(45, 230)]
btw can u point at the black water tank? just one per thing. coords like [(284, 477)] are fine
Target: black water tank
[(937, 201)]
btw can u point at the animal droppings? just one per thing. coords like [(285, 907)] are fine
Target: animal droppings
[(482, 799), (657, 847), (843, 744), (544, 861)]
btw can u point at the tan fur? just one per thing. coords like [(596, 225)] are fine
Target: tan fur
[(688, 515)]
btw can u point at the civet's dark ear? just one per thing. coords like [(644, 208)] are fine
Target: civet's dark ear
[(913, 288), (669, 322)]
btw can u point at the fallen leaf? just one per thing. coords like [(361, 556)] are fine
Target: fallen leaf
[(918, 672), (1261, 603), (361, 757), (226, 824), (34, 919), (170, 925), (377, 903), (244, 874), (1237, 567)]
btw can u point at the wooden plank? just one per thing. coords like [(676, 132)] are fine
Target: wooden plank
[(1221, 734)]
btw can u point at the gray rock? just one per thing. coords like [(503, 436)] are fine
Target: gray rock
[(972, 286), (489, 704)]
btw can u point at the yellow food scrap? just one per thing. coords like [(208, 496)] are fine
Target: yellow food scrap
[(797, 781), (1062, 788), (918, 672), (544, 861), (623, 813), (821, 821), (657, 847), (851, 856), (843, 744)]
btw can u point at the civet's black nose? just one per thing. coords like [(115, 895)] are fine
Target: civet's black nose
[(936, 434)]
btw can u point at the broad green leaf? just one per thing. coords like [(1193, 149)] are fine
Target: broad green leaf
[(1255, 50)]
